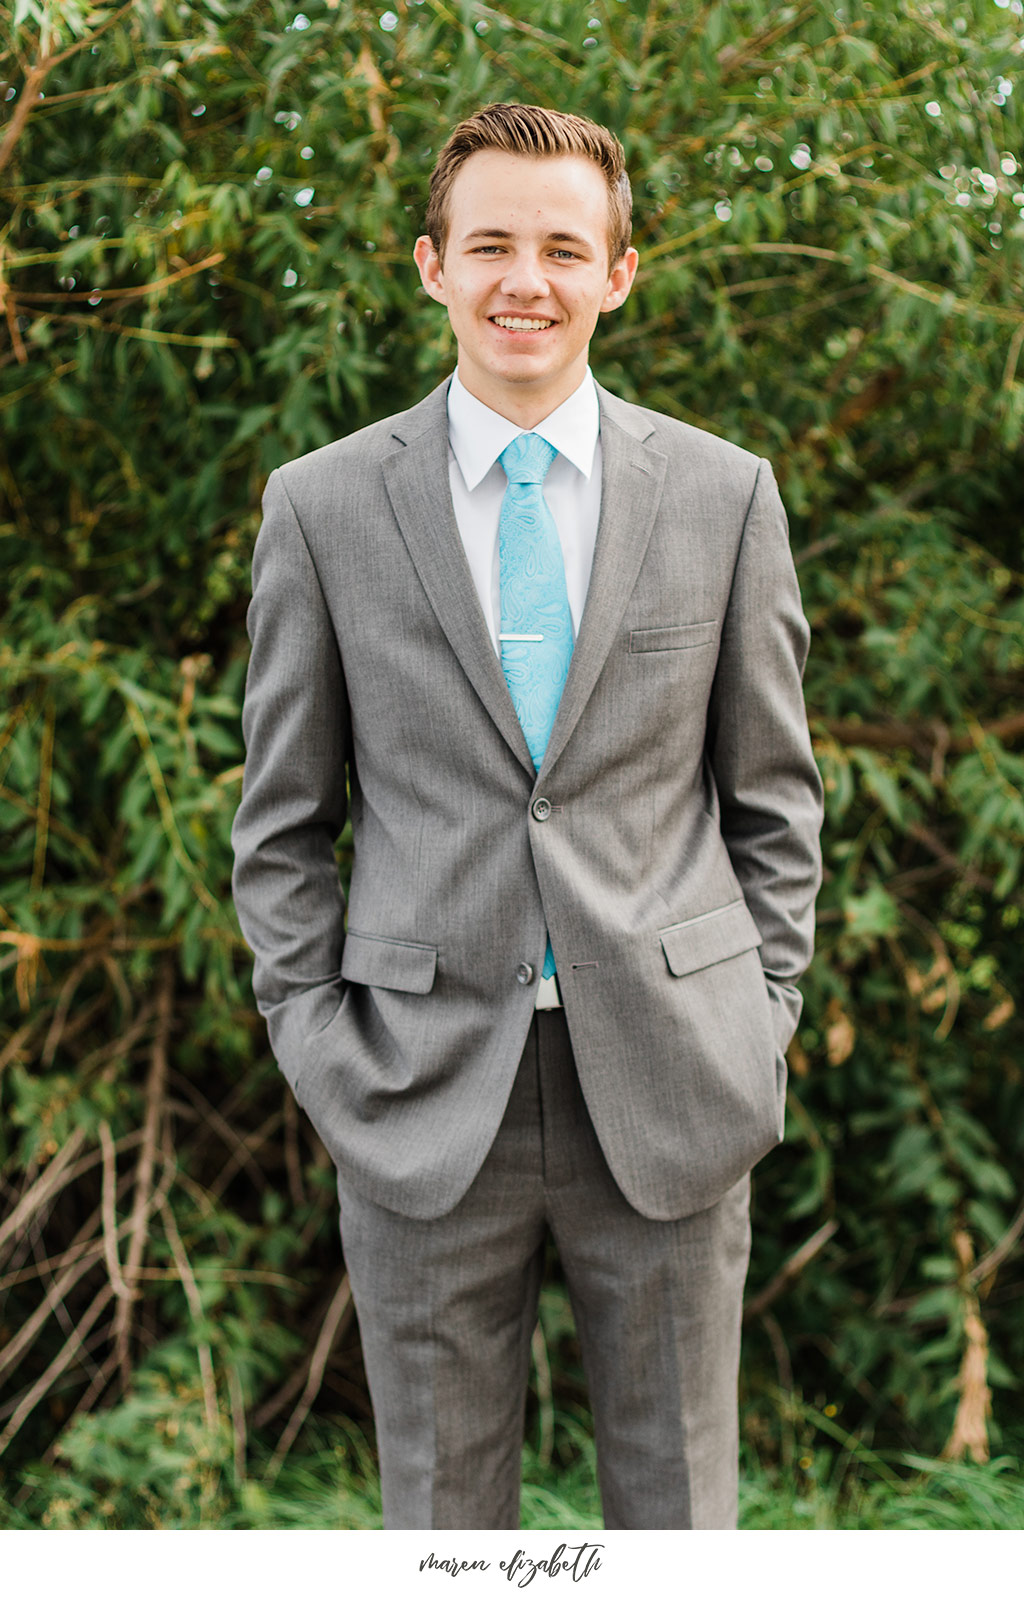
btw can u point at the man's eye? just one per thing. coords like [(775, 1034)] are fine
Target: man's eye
[(566, 255)]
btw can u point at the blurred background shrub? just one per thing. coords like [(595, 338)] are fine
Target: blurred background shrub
[(208, 211)]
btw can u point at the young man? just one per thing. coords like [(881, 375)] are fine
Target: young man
[(554, 643)]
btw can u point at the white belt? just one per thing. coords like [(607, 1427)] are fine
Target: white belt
[(548, 997)]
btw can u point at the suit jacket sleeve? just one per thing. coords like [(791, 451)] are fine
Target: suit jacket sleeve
[(760, 752), (294, 798)]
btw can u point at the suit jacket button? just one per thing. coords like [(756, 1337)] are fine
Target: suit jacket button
[(541, 809), (524, 972)]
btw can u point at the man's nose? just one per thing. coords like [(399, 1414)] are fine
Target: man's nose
[(525, 278)]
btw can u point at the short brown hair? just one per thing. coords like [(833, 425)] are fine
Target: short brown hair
[(533, 131)]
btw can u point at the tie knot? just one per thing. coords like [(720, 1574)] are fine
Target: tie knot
[(527, 459)]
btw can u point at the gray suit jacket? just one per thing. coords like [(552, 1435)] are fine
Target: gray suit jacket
[(669, 842)]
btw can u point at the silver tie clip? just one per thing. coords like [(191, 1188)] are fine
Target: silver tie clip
[(521, 638)]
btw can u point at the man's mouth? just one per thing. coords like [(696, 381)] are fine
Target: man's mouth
[(524, 324)]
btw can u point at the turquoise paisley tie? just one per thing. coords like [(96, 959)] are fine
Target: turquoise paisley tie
[(536, 623)]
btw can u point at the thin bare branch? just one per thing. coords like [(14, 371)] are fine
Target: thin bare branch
[(338, 1311), (237, 1399), (211, 1118), (133, 292), (43, 1188), (195, 1306), (999, 1252), (916, 735), (139, 1224), (61, 1361), (109, 1210), (969, 1434), (37, 76), (791, 1269), (60, 1014)]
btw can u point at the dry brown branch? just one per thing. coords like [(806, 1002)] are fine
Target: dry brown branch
[(29, 946), (79, 94), (85, 1238), (63, 1169), (112, 1051), (780, 1350), (790, 1269), (282, 1397), (338, 1311), (43, 1188), (101, 1377), (132, 292), (63, 1359), (950, 996), (21, 1035), (68, 989), (1012, 357), (105, 1372), (970, 1433), (237, 1399), (220, 1274), (195, 1306), (82, 1263), (37, 76), (45, 1268), (323, 1163), (734, 57), (922, 735), (119, 983), (252, 1142), (999, 1252), (139, 1223), (191, 341), (43, 796), (377, 109), (211, 1118), (10, 306), (109, 1212), (10, 796)]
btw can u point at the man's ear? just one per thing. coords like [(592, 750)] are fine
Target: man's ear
[(429, 263), (621, 280)]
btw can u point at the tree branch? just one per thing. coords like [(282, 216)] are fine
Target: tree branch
[(790, 1269)]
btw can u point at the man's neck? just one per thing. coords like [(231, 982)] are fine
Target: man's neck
[(526, 409)]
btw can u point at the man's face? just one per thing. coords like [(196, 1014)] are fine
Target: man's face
[(525, 276)]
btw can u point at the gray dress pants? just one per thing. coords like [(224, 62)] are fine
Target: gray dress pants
[(447, 1309)]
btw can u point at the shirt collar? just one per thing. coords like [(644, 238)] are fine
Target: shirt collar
[(478, 435)]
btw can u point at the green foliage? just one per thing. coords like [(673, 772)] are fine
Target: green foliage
[(205, 267)]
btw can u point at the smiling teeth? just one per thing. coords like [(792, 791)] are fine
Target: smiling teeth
[(531, 324)]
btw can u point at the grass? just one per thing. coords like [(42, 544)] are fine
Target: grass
[(933, 1495), (119, 1474)]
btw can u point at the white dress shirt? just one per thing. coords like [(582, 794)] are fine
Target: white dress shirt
[(476, 437)]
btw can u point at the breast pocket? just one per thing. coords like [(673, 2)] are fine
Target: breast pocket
[(684, 636)]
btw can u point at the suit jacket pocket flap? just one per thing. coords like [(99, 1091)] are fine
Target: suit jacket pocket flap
[(682, 637), (388, 963), (712, 937)]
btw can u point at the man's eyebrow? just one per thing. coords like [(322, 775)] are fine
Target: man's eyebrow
[(504, 233)]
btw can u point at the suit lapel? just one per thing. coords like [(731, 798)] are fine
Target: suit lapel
[(416, 477), (632, 477)]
